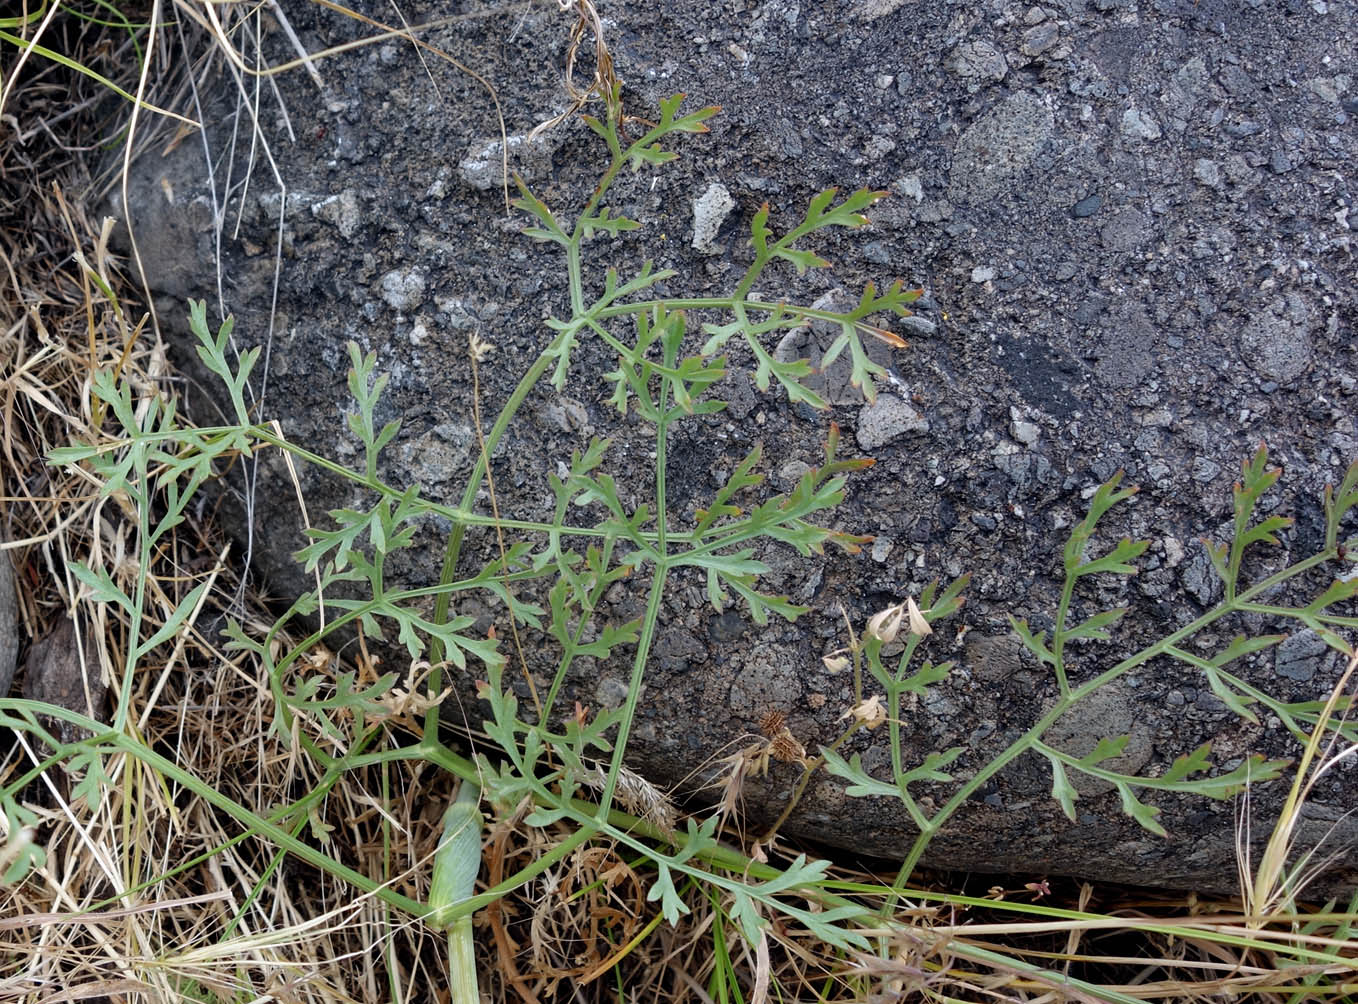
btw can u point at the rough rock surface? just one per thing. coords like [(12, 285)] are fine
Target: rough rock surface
[(1133, 222)]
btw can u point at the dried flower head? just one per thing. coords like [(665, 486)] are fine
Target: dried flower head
[(885, 625), (479, 347), (639, 797), (785, 748), (772, 721)]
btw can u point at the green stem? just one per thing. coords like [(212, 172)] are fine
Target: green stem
[(808, 771), (1059, 635), (582, 623), (462, 982), (1074, 696), (454, 547), (634, 686)]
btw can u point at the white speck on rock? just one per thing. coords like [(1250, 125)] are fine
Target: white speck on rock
[(403, 288), (709, 212), (911, 186), (888, 418), (982, 273)]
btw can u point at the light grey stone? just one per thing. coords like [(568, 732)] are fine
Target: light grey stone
[(1137, 124), (1277, 341), (997, 150), (709, 212), (886, 419), (403, 288)]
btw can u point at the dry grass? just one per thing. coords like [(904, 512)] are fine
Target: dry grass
[(157, 894)]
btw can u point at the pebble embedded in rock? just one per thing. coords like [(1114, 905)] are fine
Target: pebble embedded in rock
[(918, 325), (1026, 433), (1039, 39), (1126, 230), (709, 212), (403, 288), (978, 62), (998, 148), (483, 166), (1137, 124), (1205, 469), (877, 253), (341, 210), (1299, 656), (1277, 341), (1087, 206), (888, 418), (1279, 162), (791, 473), (1207, 172)]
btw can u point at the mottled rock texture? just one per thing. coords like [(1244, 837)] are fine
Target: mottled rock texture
[(1132, 220)]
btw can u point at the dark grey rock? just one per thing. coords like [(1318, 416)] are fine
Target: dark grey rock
[(993, 658), (1299, 655), (1109, 713), (1087, 206), (1204, 305)]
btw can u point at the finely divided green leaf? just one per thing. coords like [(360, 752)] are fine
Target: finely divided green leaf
[(861, 783)]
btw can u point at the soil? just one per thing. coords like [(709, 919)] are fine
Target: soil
[(1132, 223)]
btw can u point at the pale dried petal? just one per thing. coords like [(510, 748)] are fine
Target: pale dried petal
[(885, 625), (918, 625), (834, 663), (870, 712)]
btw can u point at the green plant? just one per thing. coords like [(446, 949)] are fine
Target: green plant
[(555, 760), (1185, 774)]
